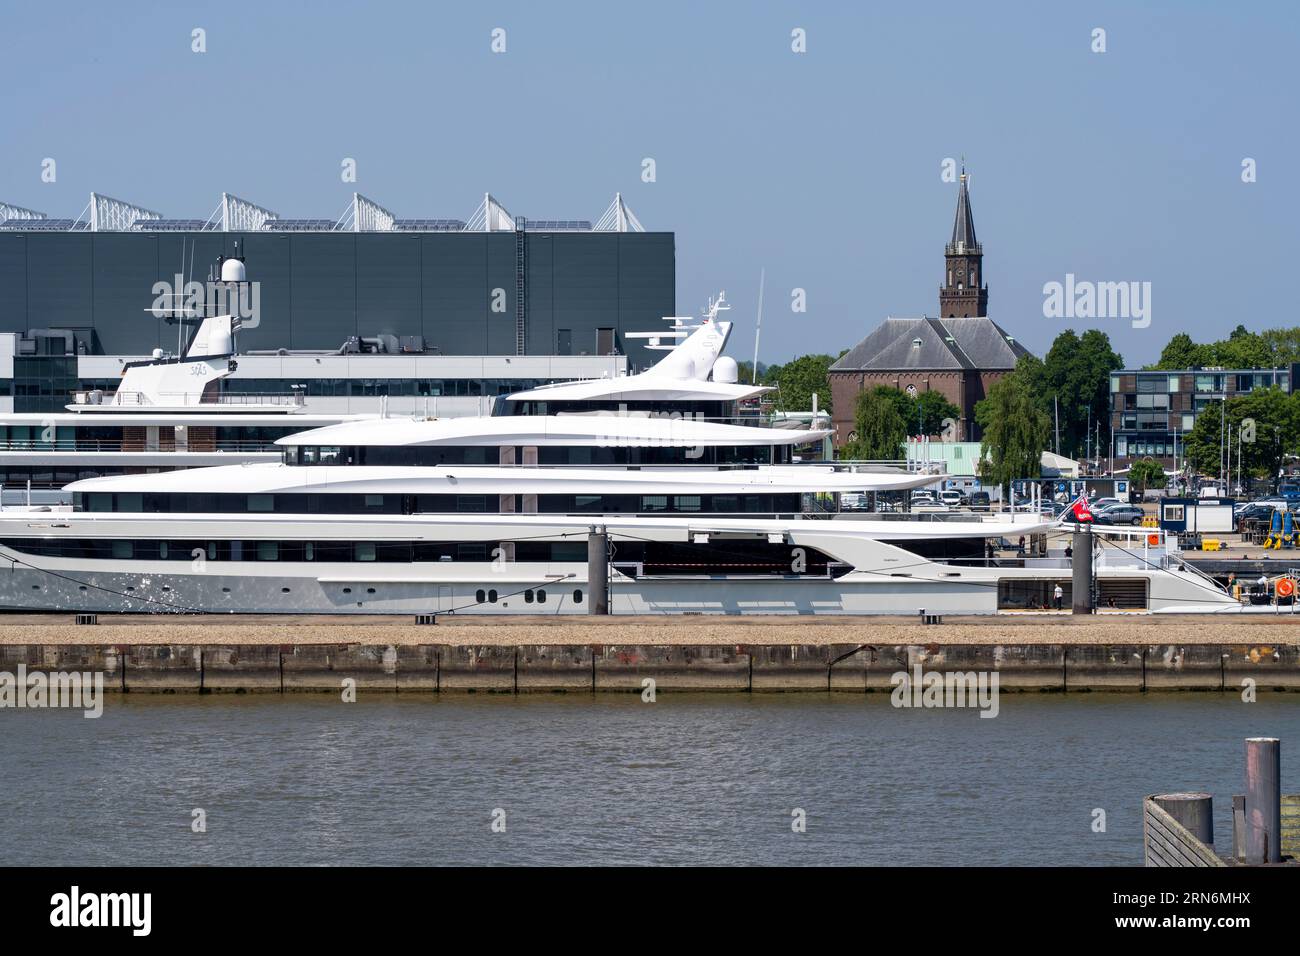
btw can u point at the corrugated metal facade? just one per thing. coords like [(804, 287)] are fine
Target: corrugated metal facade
[(317, 289)]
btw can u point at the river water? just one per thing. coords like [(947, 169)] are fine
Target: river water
[(688, 779)]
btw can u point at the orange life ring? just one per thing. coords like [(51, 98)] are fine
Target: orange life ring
[(1285, 587), (1153, 539)]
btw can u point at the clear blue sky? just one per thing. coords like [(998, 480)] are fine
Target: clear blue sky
[(823, 167)]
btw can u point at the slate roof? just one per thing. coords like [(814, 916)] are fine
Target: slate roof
[(977, 343)]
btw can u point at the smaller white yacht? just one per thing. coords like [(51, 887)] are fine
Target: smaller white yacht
[(168, 412)]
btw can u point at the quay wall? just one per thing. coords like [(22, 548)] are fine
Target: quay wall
[(636, 668)]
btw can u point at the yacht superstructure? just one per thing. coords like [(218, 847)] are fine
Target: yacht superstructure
[(706, 511), (167, 412)]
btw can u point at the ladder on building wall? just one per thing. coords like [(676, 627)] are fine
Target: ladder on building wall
[(521, 315)]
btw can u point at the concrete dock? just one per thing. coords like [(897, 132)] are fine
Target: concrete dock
[(1044, 652)]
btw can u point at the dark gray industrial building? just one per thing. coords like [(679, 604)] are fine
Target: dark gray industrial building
[(317, 289), (582, 288)]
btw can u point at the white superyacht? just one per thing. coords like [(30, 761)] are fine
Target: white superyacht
[(706, 512)]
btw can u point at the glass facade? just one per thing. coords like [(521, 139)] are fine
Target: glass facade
[(1151, 412)]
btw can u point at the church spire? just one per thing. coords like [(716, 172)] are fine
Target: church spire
[(964, 294), (963, 225)]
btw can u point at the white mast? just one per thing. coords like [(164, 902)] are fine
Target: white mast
[(758, 326)]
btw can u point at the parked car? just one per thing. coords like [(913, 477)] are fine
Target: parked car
[(979, 500), (951, 497), (1120, 514), (1101, 504), (1255, 511)]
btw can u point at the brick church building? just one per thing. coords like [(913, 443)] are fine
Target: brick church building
[(959, 353)]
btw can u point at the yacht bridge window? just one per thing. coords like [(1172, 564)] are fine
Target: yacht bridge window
[(435, 455)]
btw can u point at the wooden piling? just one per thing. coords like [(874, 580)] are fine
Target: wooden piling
[(1263, 817), (1193, 810)]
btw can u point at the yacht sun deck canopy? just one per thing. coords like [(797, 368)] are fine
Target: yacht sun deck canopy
[(597, 430), (640, 388), (274, 478)]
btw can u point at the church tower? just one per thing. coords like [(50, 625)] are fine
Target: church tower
[(964, 294)]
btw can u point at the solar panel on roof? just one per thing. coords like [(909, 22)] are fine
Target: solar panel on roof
[(298, 225), (43, 225), (428, 225), (557, 225), (169, 225)]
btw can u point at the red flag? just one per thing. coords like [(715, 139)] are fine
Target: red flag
[(1081, 510)]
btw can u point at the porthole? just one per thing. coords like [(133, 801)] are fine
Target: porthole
[(577, 595), (492, 596), (130, 588), (541, 596), (370, 590), (347, 590), (82, 588), (166, 587), (36, 587), (528, 597), (480, 596), (284, 590), (225, 590)]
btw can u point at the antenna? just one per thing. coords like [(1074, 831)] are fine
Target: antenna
[(176, 294), (758, 326)]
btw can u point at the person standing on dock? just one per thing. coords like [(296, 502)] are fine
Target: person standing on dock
[(1057, 595)]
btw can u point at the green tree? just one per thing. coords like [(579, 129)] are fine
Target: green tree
[(932, 409), (797, 381), (1266, 429), (1015, 430), (922, 414), (1181, 352), (1241, 349), (1260, 428), (1283, 345), (1146, 474), (879, 429), (1203, 445), (1076, 373)]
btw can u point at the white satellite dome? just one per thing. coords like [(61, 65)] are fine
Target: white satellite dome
[(232, 270), (726, 370)]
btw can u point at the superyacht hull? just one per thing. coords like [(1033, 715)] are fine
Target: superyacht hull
[(318, 590)]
